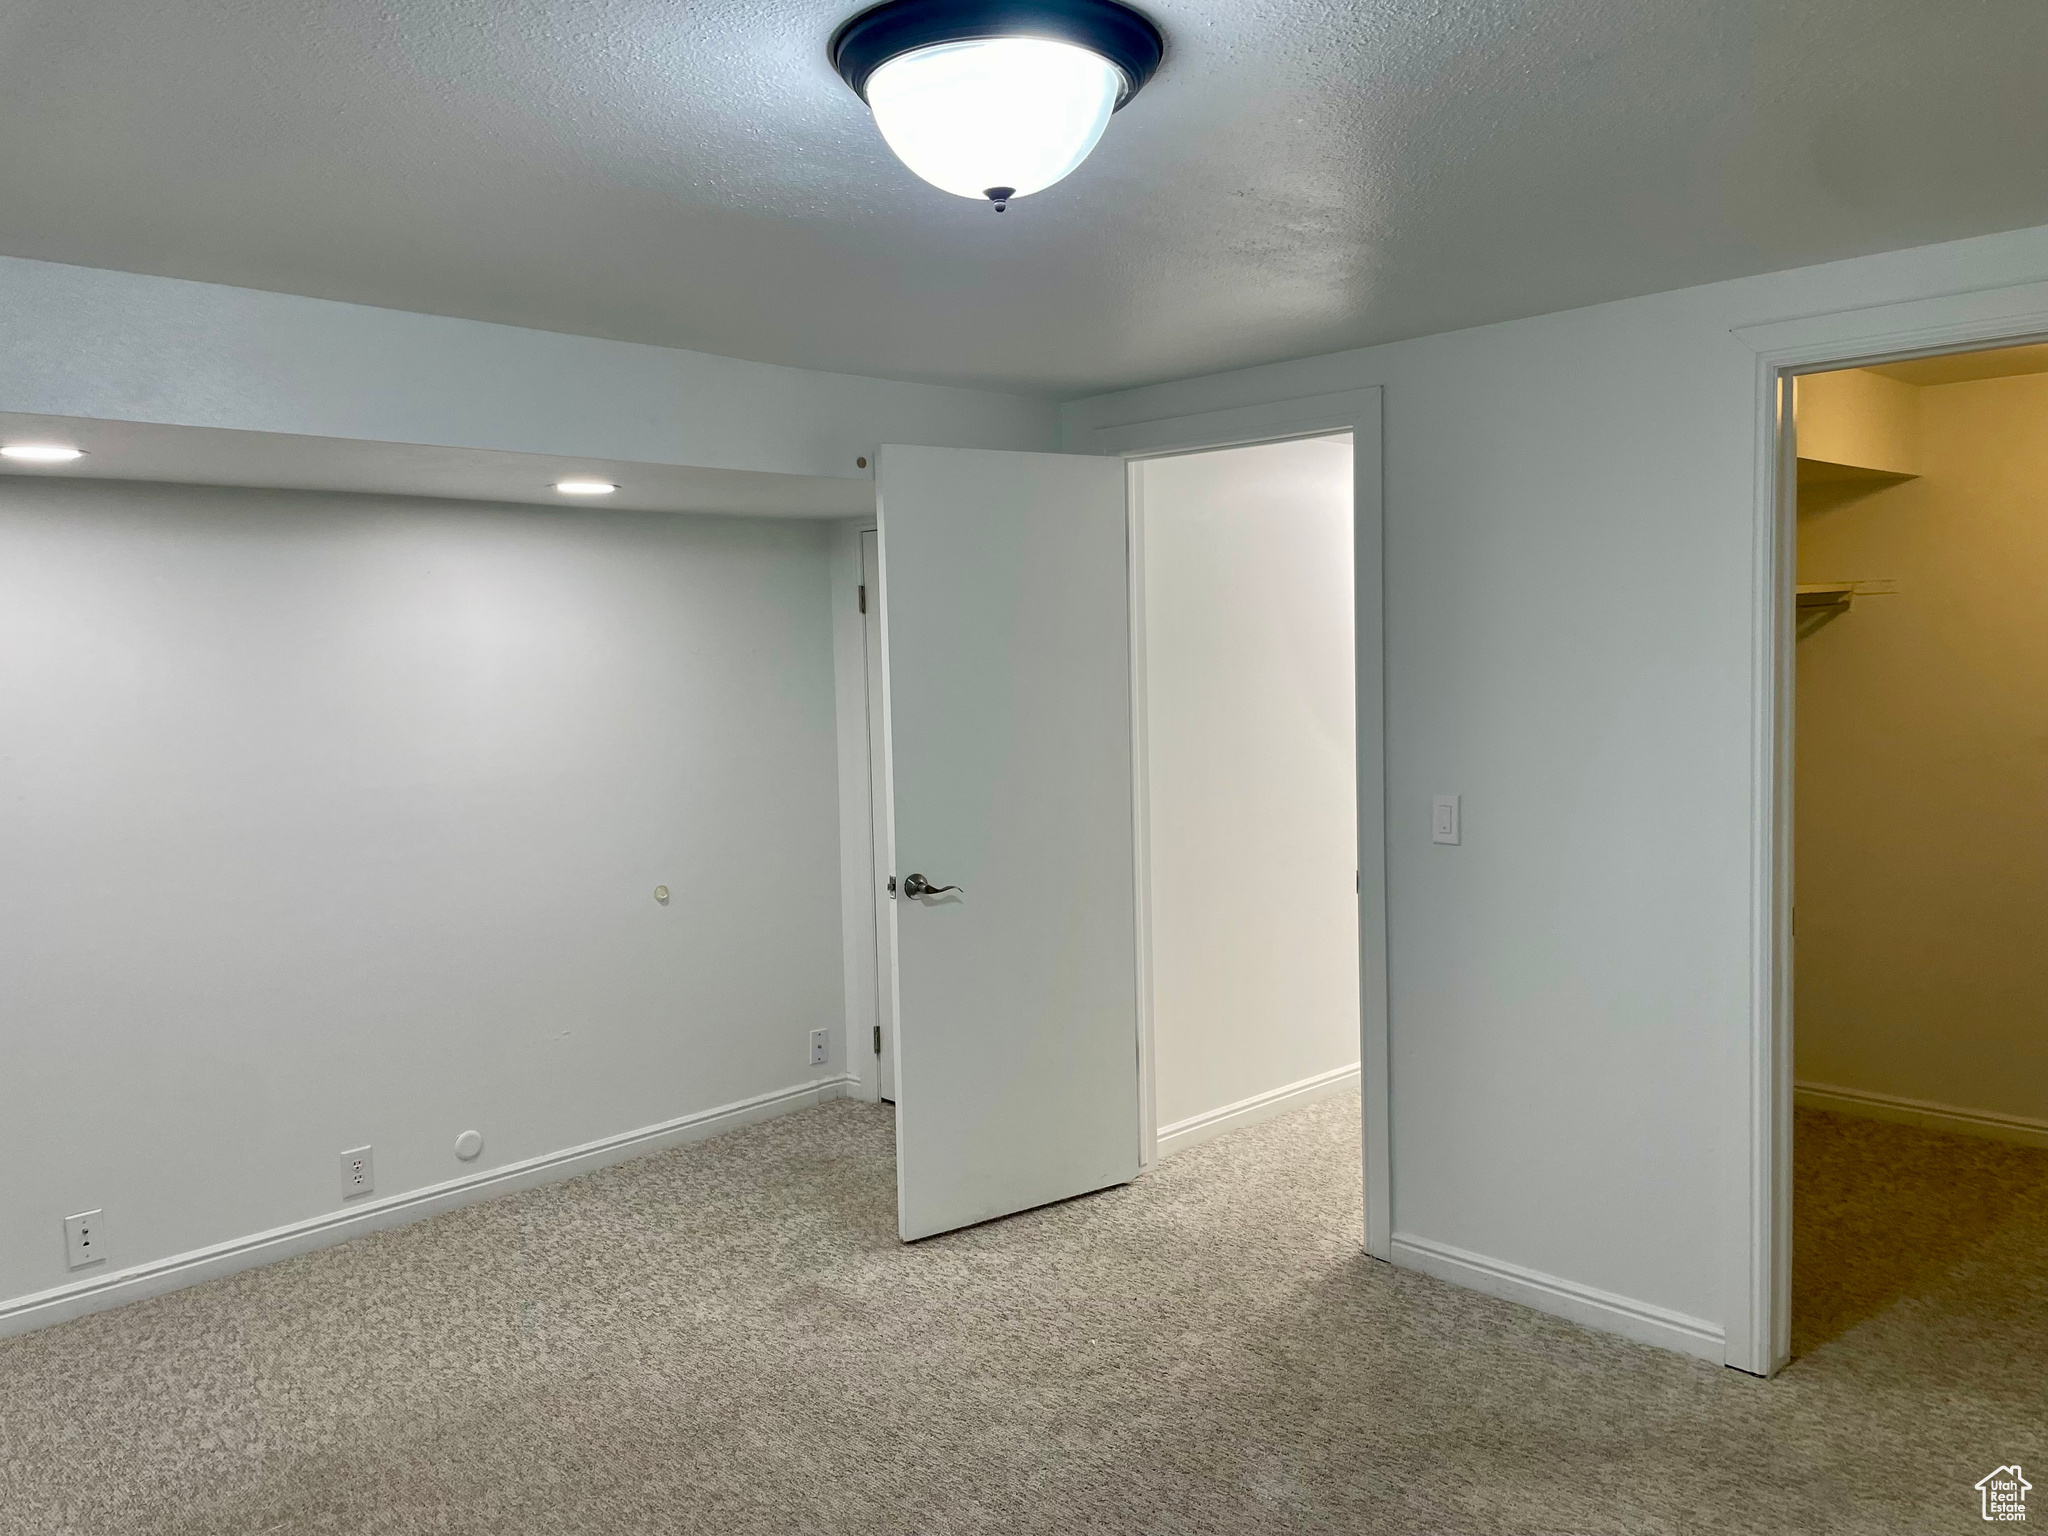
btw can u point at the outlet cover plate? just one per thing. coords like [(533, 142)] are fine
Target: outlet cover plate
[(821, 1048), (83, 1242), (358, 1173)]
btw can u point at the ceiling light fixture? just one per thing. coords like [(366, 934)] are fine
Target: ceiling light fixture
[(41, 453), (585, 487), (995, 99)]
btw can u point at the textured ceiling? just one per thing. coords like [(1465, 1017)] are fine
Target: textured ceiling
[(1300, 177)]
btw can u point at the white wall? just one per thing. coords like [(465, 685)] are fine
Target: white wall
[(335, 820), (1252, 819), (1570, 514), (76, 341)]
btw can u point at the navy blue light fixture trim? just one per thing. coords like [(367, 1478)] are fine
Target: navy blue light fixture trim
[(995, 99)]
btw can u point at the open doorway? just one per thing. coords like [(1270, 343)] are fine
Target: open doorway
[(1247, 783), (998, 760), (1920, 825)]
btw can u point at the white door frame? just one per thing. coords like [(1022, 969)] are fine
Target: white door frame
[(859, 849), (1759, 1276), (882, 1052), (1357, 412)]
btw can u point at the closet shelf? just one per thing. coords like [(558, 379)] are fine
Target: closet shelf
[(1825, 594)]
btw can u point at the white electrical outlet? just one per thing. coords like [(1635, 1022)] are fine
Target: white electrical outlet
[(83, 1244), (358, 1173), (821, 1047)]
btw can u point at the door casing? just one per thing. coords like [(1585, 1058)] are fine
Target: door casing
[(870, 604), (1758, 1277)]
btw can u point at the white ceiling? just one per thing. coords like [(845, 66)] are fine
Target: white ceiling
[(1302, 176), (130, 450)]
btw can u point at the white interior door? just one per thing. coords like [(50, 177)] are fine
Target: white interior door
[(1007, 690), (878, 777)]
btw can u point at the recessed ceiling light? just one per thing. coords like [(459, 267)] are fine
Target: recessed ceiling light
[(585, 487), (41, 453), (995, 99)]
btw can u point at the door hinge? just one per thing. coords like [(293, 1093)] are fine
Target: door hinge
[(863, 597), (878, 1039)]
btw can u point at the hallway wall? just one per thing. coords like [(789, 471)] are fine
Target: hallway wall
[(1253, 817)]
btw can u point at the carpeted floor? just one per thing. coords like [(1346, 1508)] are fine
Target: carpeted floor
[(1890, 1219), (728, 1338)]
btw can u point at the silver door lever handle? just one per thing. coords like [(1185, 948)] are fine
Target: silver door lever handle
[(917, 885)]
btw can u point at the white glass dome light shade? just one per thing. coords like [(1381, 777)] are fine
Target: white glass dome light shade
[(974, 118), (995, 99)]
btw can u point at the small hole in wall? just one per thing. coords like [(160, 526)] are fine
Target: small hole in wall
[(861, 463)]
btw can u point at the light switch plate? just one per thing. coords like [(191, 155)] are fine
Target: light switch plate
[(1443, 819)]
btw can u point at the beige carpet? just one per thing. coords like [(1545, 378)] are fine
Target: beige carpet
[(728, 1338)]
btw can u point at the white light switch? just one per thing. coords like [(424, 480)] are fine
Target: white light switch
[(1443, 819)]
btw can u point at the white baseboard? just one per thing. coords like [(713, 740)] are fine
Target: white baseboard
[(1582, 1304), (1922, 1112), (1183, 1134), (42, 1308)]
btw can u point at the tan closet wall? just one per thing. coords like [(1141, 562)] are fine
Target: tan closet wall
[(1922, 793)]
